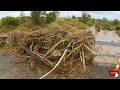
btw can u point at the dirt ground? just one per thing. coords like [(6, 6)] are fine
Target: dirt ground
[(11, 70)]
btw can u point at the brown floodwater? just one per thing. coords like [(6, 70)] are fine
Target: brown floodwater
[(107, 36)]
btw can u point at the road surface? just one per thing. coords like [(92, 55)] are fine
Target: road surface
[(10, 70)]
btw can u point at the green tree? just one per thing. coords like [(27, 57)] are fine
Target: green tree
[(36, 16), (73, 17), (116, 22), (105, 20), (51, 16), (85, 17)]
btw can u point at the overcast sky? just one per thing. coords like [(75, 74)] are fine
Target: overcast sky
[(95, 14)]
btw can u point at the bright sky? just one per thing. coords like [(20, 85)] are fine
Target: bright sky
[(95, 14)]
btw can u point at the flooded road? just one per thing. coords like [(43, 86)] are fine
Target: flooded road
[(105, 35), (110, 52), (107, 60)]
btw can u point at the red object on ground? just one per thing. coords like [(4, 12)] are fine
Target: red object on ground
[(112, 72)]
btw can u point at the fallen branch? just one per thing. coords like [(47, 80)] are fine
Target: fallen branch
[(80, 57), (83, 59), (43, 59), (37, 57), (90, 49), (73, 51), (57, 63), (54, 47)]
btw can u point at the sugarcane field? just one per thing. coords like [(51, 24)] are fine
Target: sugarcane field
[(47, 45)]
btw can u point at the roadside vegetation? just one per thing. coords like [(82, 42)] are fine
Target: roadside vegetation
[(43, 19), (40, 19)]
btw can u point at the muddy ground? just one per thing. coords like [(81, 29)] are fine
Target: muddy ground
[(13, 70)]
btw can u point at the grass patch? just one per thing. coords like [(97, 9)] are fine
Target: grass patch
[(23, 28), (67, 24)]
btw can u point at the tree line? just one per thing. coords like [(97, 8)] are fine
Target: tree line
[(103, 23), (37, 18), (44, 17)]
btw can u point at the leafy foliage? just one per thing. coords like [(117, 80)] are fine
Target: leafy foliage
[(24, 19), (116, 22), (85, 17), (73, 17), (9, 21), (36, 16), (51, 16)]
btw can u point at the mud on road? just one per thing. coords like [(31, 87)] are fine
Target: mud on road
[(11, 70)]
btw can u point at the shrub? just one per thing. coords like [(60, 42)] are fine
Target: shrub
[(51, 16), (85, 17), (116, 22), (117, 32), (9, 21), (43, 21), (73, 17), (80, 19), (23, 19)]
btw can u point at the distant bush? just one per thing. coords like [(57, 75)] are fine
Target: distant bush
[(117, 32), (85, 17), (51, 16), (116, 22), (73, 17), (9, 21), (43, 21), (117, 28), (79, 18), (24, 19)]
